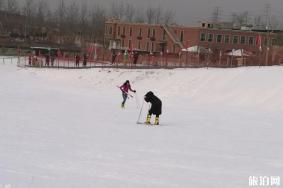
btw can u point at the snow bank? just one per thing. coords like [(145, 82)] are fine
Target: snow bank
[(65, 128)]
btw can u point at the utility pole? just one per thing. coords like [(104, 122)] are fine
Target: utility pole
[(267, 28), (267, 11), (216, 14)]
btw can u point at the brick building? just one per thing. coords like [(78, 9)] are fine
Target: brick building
[(218, 37), (157, 38)]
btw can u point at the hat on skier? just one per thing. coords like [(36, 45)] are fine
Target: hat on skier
[(149, 93), (148, 96)]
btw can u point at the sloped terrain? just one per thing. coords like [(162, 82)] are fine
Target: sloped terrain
[(65, 128)]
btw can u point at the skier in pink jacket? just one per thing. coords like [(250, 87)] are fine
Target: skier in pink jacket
[(125, 91)]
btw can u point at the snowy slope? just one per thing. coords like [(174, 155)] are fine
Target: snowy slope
[(65, 128)]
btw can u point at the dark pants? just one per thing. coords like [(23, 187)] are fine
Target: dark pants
[(150, 113), (125, 96), (156, 108)]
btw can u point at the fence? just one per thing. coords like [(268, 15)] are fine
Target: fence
[(9, 59), (157, 60)]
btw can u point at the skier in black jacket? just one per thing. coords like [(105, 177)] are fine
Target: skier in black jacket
[(156, 106)]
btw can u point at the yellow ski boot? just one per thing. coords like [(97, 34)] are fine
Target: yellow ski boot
[(148, 119), (156, 122)]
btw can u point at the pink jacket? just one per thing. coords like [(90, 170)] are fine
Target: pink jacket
[(126, 87)]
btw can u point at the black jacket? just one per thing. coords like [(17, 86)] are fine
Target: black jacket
[(156, 103)]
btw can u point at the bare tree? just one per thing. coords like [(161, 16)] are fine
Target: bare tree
[(259, 23), (50, 16), (60, 19), (216, 14), (42, 10), (12, 6), (240, 19), (158, 15), (139, 16), (83, 21), (83, 14), (2, 5), (129, 12), (117, 10), (150, 15), (60, 13), (72, 16), (28, 11), (168, 17), (98, 17), (274, 23)]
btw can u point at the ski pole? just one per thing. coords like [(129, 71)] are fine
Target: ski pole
[(137, 100), (138, 121)]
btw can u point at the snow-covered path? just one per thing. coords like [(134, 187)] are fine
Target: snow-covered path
[(65, 128)]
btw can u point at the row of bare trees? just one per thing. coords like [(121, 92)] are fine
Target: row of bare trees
[(262, 20), (258, 21), (152, 15), (79, 18)]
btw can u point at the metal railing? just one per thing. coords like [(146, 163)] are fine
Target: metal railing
[(9, 59), (144, 62)]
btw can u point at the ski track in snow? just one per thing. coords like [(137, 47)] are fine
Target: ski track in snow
[(65, 128)]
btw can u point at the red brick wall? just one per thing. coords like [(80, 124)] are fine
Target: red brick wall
[(191, 36), (129, 35), (229, 46)]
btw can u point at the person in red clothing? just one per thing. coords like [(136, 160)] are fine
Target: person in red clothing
[(78, 58), (125, 89)]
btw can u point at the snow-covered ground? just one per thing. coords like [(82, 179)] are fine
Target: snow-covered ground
[(65, 128)]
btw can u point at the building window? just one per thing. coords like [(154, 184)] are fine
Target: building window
[(147, 46), (139, 45), (124, 30), (164, 35), (251, 40), (202, 37), (148, 32), (152, 47), (227, 39), (235, 39), (119, 31), (140, 33), (182, 36), (153, 33), (130, 44), (210, 37), (110, 30), (243, 40), (219, 38), (123, 43), (130, 31)]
